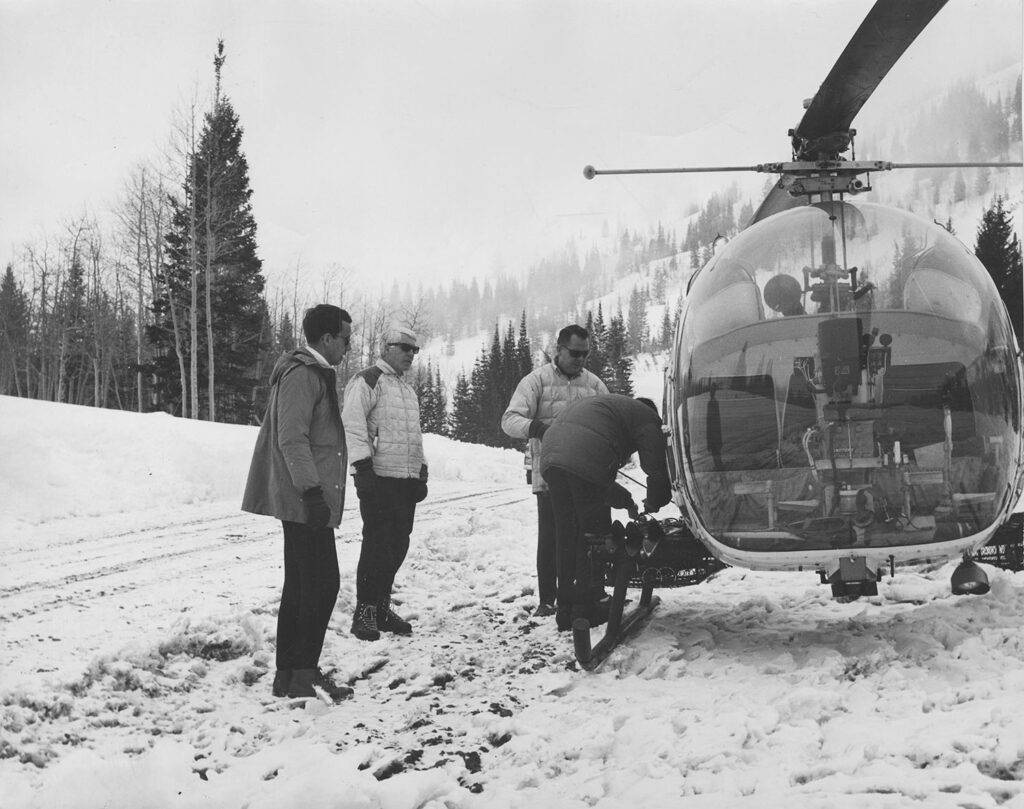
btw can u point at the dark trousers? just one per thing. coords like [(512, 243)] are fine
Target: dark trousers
[(579, 508), (307, 599), (547, 551), (387, 522)]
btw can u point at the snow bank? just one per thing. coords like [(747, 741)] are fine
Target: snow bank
[(64, 461)]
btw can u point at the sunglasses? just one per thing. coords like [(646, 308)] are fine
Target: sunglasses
[(577, 354), (406, 347)]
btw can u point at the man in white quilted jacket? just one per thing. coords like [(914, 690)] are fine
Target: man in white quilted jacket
[(540, 397), (382, 430)]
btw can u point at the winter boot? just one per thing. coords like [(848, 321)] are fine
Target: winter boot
[(544, 610), (282, 678), (336, 692), (390, 621), (364, 622), (301, 683)]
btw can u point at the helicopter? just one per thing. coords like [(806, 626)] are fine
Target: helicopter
[(844, 390)]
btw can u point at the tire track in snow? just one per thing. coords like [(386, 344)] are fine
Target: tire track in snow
[(210, 542)]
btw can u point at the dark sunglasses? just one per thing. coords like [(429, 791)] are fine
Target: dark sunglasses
[(406, 347), (576, 353)]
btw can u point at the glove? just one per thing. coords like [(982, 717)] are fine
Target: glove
[(365, 479), (318, 513), (538, 428), (419, 491), (618, 496), (658, 494)]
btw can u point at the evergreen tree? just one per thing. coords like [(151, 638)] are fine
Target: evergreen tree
[(959, 187), (70, 318), (659, 282), (216, 194), (524, 355), (597, 361), (998, 248), (509, 362), (462, 421), (14, 325), (1013, 114), (981, 181), (440, 404), (431, 398), (637, 323), (286, 333), (666, 329), (620, 365)]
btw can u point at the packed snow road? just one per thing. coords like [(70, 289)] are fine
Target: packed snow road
[(71, 588)]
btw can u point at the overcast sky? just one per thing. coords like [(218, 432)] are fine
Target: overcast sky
[(419, 140)]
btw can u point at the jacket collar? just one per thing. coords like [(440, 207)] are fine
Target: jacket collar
[(385, 366), (565, 375), (317, 356)]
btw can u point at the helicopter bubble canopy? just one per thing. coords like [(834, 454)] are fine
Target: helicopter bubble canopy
[(846, 377)]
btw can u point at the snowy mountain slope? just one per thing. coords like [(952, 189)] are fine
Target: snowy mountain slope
[(137, 647)]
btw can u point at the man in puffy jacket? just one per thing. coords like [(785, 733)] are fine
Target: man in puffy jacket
[(581, 454), (298, 475), (382, 425), (538, 399)]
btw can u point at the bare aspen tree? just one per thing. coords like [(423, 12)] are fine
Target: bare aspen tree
[(193, 252), (180, 158), (69, 310), (137, 231)]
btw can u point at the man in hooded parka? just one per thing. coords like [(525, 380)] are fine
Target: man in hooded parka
[(297, 474)]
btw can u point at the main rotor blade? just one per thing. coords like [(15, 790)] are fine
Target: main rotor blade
[(885, 34)]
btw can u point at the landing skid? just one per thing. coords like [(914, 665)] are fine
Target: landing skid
[(647, 554), (619, 626)]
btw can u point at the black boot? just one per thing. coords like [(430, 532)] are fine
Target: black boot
[(336, 692), (301, 683), (390, 621), (282, 677), (364, 622)]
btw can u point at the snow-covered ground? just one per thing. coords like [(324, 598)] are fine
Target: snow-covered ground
[(137, 607)]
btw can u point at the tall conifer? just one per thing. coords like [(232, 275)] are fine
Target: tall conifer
[(998, 248), (216, 193)]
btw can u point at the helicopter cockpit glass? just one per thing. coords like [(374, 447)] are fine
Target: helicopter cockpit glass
[(846, 380)]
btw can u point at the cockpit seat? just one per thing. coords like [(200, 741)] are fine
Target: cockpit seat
[(734, 418), (914, 397)]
